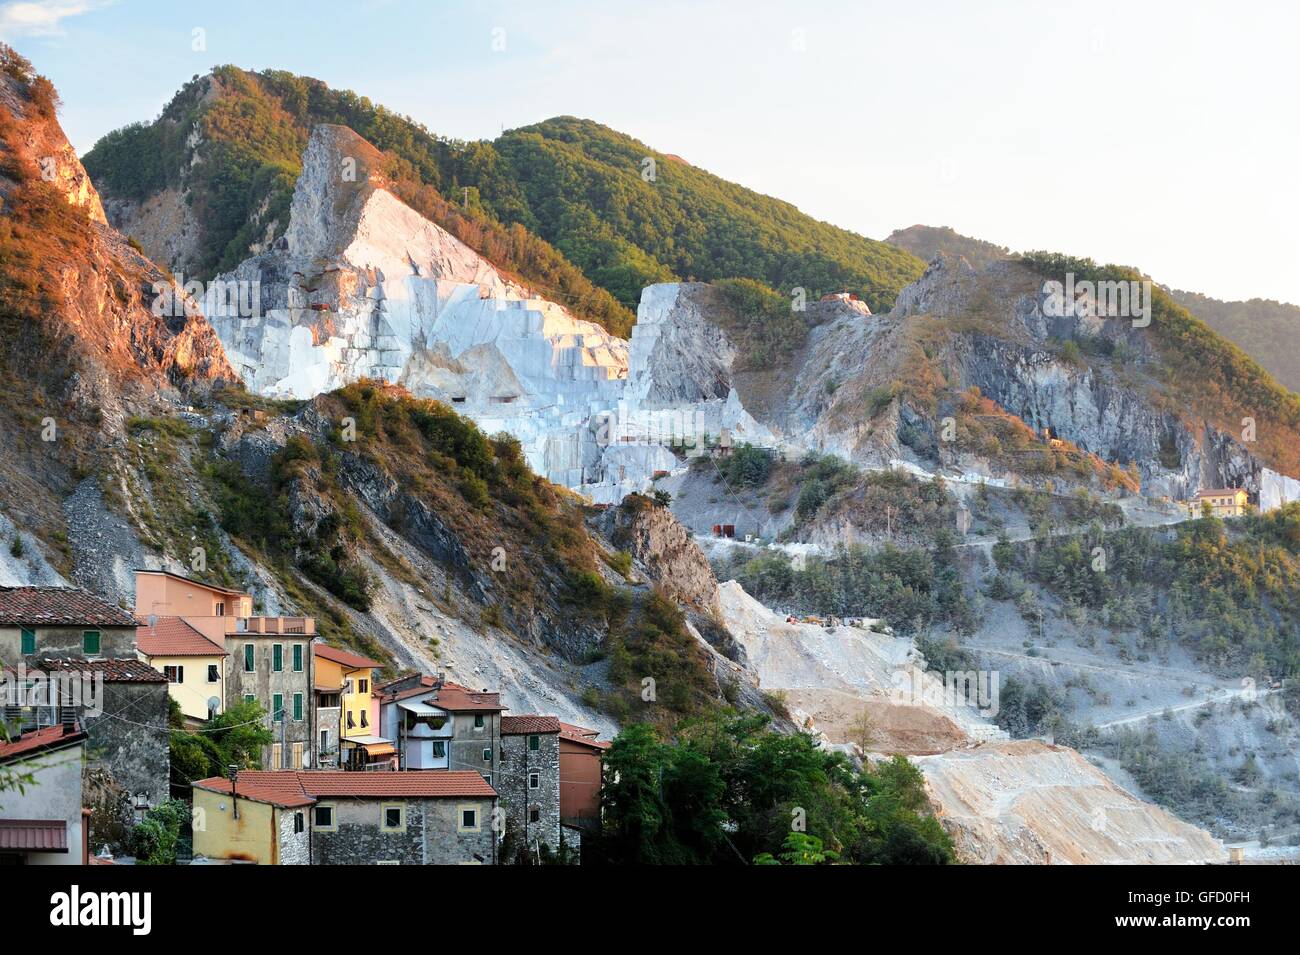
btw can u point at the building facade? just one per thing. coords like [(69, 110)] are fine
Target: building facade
[(43, 823), (528, 780), (347, 818)]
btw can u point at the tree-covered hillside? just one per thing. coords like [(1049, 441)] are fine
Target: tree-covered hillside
[(567, 206)]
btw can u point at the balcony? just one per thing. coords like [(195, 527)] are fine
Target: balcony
[(300, 626)]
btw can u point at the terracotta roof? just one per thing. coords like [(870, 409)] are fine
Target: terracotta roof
[(528, 724), (1220, 491), (58, 607), (34, 835), (580, 734), (291, 788), (450, 696), (113, 671), (276, 787), (38, 741), (173, 637), (343, 657)]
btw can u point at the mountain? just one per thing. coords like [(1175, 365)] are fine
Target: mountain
[(925, 242), (565, 206), (1264, 329), (412, 381)]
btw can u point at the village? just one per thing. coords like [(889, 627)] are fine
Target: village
[(417, 770)]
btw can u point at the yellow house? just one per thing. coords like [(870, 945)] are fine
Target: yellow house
[(192, 663), (263, 821), (1222, 501), (344, 682)]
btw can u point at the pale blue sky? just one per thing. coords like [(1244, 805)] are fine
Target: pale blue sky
[(1161, 135)]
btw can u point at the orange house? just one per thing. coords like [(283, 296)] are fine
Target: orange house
[(580, 774)]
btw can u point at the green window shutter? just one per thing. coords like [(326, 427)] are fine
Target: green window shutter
[(277, 707), (248, 658), (277, 657), (297, 658), (29, 641), (297, 706), (534, 743), (249, 698), (90, 641)]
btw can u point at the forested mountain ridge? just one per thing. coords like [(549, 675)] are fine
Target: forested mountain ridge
[(582, 213)]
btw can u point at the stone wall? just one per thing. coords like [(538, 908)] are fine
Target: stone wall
[(129, 738), (295, 847), (431, 833), (467, 745), (115, 643), (519, 800)]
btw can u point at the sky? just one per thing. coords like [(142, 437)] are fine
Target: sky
[(1159, 135)]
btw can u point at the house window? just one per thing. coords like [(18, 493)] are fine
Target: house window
[(487, 778), (352, 723), (534, 743), (323, 817), (277, 707), (534, 780), (175, 674), (297, 707), (297, 658), (468, 819), (221, 608), (439, 748), (213, 675), (277, 756), (534, 815), (363, 686), (90, 641), (365, 720), (393, 818), (248, 658), (29, 641), (296, 755), (277, 657), (299, 822), (249, 698), (324, 740), (487, 755)]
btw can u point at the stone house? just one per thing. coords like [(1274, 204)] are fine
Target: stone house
[(44, 824), (528, 781), (39, 623), (68, 652), (437, 724), (346, 818)]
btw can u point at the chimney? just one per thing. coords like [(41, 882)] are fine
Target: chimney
[(68, 719)]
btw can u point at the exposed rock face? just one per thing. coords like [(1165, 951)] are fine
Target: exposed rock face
[(1028, 802), (42, 144), (364, 287), (665, 548)]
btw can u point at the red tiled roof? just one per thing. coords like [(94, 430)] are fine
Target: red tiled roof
[(580, 734), (58, 607), (113, 671), (34, 835), (38, 741), (277, 787), (527, 724), (173, 637), (291, 788), (450, 696), (343, 657)]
